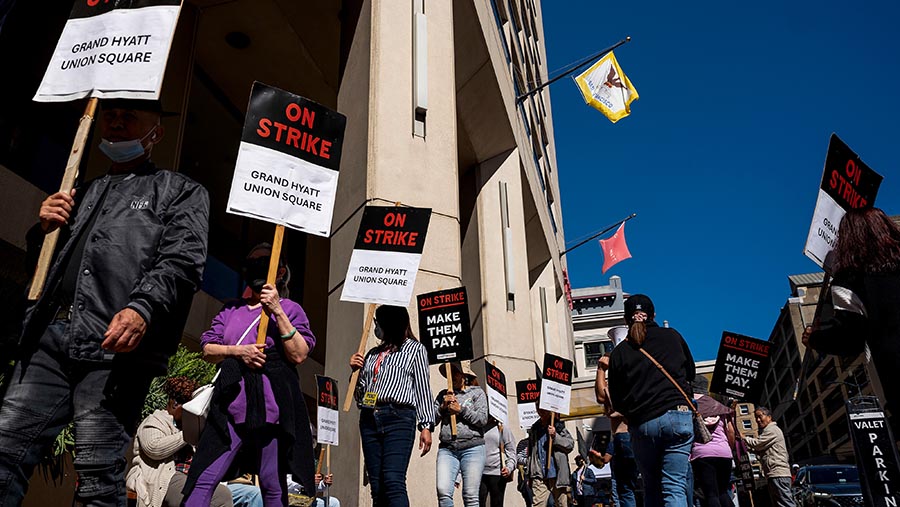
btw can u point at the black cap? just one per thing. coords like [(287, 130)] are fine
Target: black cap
[(638, 302), (700, 385)]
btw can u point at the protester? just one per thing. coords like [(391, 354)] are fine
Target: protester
[(323, 483), (624, 472), (583, 482), (464, 453), (773, 457), (711, 462), (132, 250), (499, 467), (549, 478), (257, 402), (866, 294), (393, 391), (523, 484), (659, 419), (162, 457)]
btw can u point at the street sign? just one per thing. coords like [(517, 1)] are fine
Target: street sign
[(876, 452)]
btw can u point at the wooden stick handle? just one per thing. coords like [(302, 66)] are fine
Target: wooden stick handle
[(550, 440), (354, 377), (321, 460), (270, 279), (502, 447), (327, 459), (68, 183), (449, 373)]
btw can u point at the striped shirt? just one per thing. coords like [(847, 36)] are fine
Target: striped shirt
[(403, 378)]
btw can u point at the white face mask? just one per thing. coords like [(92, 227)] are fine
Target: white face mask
[(125, 151)]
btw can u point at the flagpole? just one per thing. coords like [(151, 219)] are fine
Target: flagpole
[(604, 231), (571, 69)]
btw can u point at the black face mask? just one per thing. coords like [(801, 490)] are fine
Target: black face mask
[(256, 271)]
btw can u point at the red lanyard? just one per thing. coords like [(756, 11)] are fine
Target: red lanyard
[(377, 366)]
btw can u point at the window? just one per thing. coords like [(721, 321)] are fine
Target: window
[(594, 350), (747, 424), (744, 409)]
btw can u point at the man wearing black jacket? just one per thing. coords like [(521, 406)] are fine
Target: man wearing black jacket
[(133, 248)]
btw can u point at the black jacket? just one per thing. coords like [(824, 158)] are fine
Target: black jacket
[(637, 388), (146, 251), (866, 312)]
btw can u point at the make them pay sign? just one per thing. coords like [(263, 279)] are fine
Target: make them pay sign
[(444, 325), (741, 366)]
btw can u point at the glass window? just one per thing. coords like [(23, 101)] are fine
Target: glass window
[(744, 409), (833, 475), (594, 350), (747, 424)]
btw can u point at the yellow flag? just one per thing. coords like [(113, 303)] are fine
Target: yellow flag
[(605, 87)]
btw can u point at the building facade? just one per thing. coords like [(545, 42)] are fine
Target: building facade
[(430, 93), (806, 390)]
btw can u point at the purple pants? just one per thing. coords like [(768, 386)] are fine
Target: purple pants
[(271, 480)]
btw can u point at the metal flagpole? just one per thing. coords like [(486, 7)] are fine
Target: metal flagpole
[(572, 68), (604, 231)]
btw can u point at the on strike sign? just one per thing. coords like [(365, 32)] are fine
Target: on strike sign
[(326, 410), (498, 405), (111, 50), (287, 165), (556, 384), (528, 392), (740, 367), (444, 325), (385, 259), (847, 183)]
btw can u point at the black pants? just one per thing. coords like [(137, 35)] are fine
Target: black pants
[(584, 501), (493, 486), (712, 477), (49, 390)]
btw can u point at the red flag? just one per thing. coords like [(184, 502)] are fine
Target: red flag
[(614, 249)]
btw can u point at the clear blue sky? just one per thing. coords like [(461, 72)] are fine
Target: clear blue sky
[(722, 155)]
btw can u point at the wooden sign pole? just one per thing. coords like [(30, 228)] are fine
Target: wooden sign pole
[(502, 447), (550, 440), (354, 377), (68, 183), (327, 473), (270, 279), (449, 373), (321, 460)]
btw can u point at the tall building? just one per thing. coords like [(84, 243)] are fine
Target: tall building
[(806, 390), (431, 94)]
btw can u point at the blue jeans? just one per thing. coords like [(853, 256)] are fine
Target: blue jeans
[(387, 433), (624, 471), (470, 462), (49, 389), (246, 495), (662, 447)]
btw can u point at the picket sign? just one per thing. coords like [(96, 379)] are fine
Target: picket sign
[(270, 279), (354, 377), (448, 370), (68, 183)]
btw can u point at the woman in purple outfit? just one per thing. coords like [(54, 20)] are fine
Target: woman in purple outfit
[(257, 413)]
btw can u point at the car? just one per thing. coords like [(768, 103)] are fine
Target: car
[(827, 486)]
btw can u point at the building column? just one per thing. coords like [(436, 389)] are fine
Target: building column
[(384, 162)]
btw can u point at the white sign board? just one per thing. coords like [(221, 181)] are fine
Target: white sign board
[(111, 50), (327, 411), (287, 166), (527, 394), (498, 404), (386, 256), (556, 384)]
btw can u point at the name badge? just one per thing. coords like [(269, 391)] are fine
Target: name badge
[(369, 399)]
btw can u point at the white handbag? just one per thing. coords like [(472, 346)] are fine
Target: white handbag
[(194, 412)]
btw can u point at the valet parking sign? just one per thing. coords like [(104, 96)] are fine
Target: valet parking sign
[(444, 325), (556, 384), (385, 259), (740, 367), (847, 183), (287, 165), (875, 451), (498, 404), (528, 392), (327, 411), (111, 50)]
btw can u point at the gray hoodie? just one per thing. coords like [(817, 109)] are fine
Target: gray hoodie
[(469, 422)]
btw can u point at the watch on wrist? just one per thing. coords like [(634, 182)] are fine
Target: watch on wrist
[(426, 426)]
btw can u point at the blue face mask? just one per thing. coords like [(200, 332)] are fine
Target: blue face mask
[(125, 151)]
